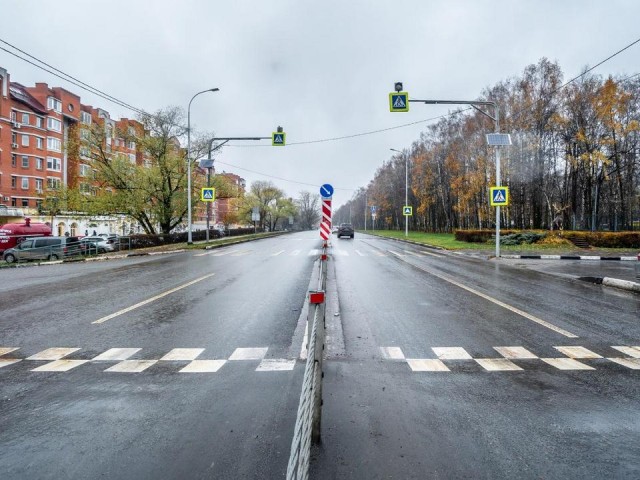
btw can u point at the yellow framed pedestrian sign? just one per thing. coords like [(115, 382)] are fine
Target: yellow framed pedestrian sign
[(278, 139), (399, 101), (499, 196), (208, 194), (407, 210)]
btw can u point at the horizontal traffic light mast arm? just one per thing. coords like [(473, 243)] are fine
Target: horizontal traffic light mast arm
[(473, 103)]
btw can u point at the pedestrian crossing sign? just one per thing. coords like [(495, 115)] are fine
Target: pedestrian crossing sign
[(407, 211), (208, 194), (499, 196), (278, 139), (399, 102)]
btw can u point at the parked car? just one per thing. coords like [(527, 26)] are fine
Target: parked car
[(98, 244), (44, 248), (345, 230), (112, 238)]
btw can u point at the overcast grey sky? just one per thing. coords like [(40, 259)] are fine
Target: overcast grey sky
[(319, 69)]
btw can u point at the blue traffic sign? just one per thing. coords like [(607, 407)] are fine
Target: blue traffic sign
[(326, 191), (499, 196)]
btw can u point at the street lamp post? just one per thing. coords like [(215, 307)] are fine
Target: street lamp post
[(189, 236), (406, 189)]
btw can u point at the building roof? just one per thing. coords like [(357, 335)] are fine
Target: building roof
[(20, 94)]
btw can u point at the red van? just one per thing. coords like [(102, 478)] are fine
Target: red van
[(12, 234)]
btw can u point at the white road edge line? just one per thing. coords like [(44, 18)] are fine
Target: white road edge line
[(522, 313), (152, 299)]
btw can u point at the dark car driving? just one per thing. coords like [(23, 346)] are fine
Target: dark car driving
[(345, 230)]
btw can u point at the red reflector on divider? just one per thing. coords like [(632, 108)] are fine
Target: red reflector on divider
[(316, 297), (323, 256)]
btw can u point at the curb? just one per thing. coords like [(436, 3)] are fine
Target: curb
[(613, 282), (420, 244), (567, 257)]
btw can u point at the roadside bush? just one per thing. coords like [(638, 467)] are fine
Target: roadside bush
[(478, 236), (521, 238), (606, 239)]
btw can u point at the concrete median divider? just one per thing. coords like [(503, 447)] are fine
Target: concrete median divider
[(308, 420)]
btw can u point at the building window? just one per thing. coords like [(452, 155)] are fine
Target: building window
[(25, 140), (13, 202), (53, 164), (132, 145), (54, 104), (25, 118), (13, 116), (39, 185), (14, 160), (25, 183), (132, 158), (39, 122), (54, 144), (85, 170), (14, 138), (54, 124), (25, 161), (85, 117), (85, 134), (25, 202), (39, 143), (53, 183), (85, 152), (86, 188), (14, 181), (39, 163)]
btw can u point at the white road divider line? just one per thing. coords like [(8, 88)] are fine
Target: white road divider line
[(203, 366), (220, 254), (431, 253), (275, 365), (631, 351), (182, 354), (8, 361), (522, 313), (152, 299), (277, 253), (5, 350), (360, 253), (577, 352), (53, 353), (115, 354), (60, 366)]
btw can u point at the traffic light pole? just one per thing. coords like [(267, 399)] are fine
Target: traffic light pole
[(496, 119)]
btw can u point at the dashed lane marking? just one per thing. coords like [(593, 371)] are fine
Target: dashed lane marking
[(396, 253), (5, 362), (632, 363), (392, 353), (277, 253), (248, 353), (515, 353), (241, 253), (577, 352), (566, 364), (183, 354), (220, 254), (131, 366), (631, 351), (451, 353), (203, 366), (431, 253), (360, 253), (426, 365), (115, 354), (152, 299), (275, 365), (53, 354), (59, 366), (295, 253), (497, 364), (5, 350)]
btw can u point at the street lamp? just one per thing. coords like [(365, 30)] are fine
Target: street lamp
[(189, 237), (406, 189)]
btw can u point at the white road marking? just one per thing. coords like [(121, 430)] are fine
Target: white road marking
[(451, 353), (577, 352), (4, 362), (566, 364), (632, 363), (294, 253), (203, 366), (241, 253), (183, 354), (431, 253), (522, 313), (220, 254), (59, 366), (413, 253), (426, 365), (395, 253), (205, 253), (131, 366), (248, 353), (515, 353), (275, 365), (340, 252), (5, 350), (53, 354), (392, 353), (277, 253), (497, 364), (360, 253), (152, 299), (115, 354), (313, 252), (631, 351), (379, 254)]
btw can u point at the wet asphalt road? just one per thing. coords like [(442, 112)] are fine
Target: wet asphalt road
[(381, 418)]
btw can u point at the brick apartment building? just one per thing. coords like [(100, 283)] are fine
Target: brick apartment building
[(37, 156)]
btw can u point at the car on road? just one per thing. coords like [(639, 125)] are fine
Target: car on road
[(44, 248), (345, 230), (97, 244)]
